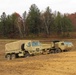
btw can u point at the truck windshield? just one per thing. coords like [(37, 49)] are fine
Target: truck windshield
[(35, 43), (68, 43)]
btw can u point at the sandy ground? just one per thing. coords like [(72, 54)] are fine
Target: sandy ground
[(51, 64)]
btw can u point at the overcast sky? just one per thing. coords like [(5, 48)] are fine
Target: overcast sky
[(11, 6)]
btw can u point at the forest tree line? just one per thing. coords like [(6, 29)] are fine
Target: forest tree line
[(34, 23)]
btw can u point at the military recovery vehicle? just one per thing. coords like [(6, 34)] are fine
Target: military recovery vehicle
[(58, 46)]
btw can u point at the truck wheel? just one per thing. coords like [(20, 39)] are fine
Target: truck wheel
[(27, 54), (65, 50), (56, 51), (51, 51), (13, 56), (59, 50), (8, 57)]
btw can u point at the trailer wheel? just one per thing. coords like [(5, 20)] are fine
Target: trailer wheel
[(13, 56), (8, 56)]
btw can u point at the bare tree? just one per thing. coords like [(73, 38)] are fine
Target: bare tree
[(24, 23)]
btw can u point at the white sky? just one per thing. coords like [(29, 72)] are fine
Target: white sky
[(11, 6)]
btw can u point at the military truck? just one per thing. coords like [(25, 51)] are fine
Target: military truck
[(59, 46), (22, 48)]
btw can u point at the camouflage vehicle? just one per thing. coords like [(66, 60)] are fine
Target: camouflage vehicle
[(22, 48)]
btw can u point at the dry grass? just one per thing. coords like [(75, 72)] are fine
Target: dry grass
[(52, 64)]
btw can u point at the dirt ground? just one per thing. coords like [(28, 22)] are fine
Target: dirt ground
[(51, 64)]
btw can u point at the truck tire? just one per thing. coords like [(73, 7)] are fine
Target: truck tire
[(65, 50), (8, 56), (57, 50), (51, 51), (27, 54), (13, 56)]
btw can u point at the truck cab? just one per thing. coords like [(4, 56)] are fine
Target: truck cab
[(33, 47), (64, 46)]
